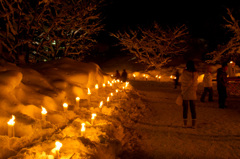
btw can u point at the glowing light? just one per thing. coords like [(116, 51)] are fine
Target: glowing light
[(171, 76), (83, 129), (44, 111), (65, 105), (57, 148), (159, 77), (101, 104), (116, 90), (89, 92), (156, 76), (12, 121), (77, 99), (104, 85), (231, 61), (111, 94), (134, 75), (93, 116), (108, 99), (58, 145), (126, 85), (96, 86)]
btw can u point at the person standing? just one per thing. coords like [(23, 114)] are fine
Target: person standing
[(124, 76), (117, 75), (207, 83), (222, 85), (189, 84)]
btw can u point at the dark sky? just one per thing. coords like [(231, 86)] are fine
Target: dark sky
[(204, 20)]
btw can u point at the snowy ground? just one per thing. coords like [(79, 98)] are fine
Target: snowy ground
[(142, 121), (162, 136)]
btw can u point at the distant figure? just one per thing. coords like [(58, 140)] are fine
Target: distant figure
[(222, 85), (207, 83), (124, 76), (177, 75), (189, 84), (117, 75)]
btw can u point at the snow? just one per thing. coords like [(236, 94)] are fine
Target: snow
[(142, 121)]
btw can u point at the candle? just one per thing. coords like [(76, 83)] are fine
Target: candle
[(89, 96), (111, 94), (101, 104), (65, 107), (146, 77), (77, 102), (93, 117), (117, 91), (104, 85), (96, 87), (126, 85), (159, 77), (83, 129), (108, 100), (56, 150), (11, 124), (44, 113), (134, 76)]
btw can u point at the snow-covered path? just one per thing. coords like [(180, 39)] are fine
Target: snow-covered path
[(162, 135)]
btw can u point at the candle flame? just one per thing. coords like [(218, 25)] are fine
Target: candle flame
[(58, 145), (111, 94), (156, 76), (11, 121), (83, 127), (110, 84), (93, 116), (104, 85), (101, 104), (116, 90), (89, 92), (65, 105), (134, 75), (77, 99), (126, 85), (159, 77), (44, 111), (96, 86), (108, 99), (231, 61), (171, 76)]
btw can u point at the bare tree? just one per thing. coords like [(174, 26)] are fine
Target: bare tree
[(232, 48), (154, 46), (49, 29)]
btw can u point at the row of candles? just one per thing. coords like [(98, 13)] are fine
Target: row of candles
[(11, 122), (146, 76)]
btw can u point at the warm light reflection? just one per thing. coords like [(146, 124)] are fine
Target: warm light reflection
[(93, 116)]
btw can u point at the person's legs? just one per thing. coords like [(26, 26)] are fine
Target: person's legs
[(185, 112), (193, 113), (204, 94)]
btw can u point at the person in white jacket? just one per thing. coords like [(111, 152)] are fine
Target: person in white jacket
[(189, 84), (207, 83)]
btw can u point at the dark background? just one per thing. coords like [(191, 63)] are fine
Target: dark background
[(204, 21)]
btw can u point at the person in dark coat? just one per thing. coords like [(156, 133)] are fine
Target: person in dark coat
[(222, 85), (117, 75), (124, 76)]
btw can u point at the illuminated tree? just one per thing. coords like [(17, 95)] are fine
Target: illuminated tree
[(232, 48), (154, 46), (46, 29)]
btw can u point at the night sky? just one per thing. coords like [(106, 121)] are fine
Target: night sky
[(204, 20)]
